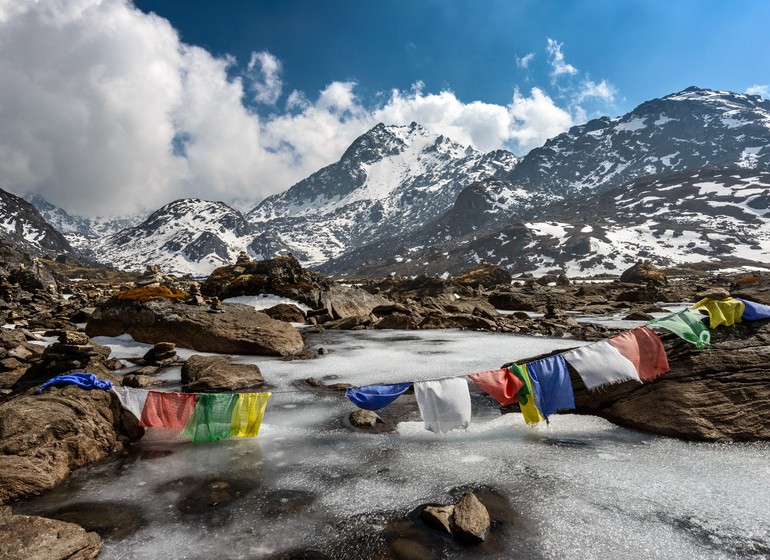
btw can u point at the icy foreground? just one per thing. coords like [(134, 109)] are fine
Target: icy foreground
[(579, 488)]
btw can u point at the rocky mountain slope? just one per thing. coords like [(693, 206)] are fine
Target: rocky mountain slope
[(402, 199), (187, 236), (22, 226), (715, 215), (391, 181)]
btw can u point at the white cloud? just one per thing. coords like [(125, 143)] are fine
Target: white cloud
[(264, 71), (603, 91), (763, 91), (559, 66), (523, 62), (103, 110)]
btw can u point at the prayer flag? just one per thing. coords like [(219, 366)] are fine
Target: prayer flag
[(445, 404), (551, 384), (131, 399), (500, 384), (754, 311), (601, 364), (686, 325), (375, 397), (247, 414), (83, 380), (211, 419), (643, 348), (726, 311), (527, 395), (165, 409)]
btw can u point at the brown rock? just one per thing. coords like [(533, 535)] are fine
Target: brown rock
[(364, 418), (26, 537), (138, 381), (438, 517), (711, 395), (399, 321), (238, 330), (285, 312), (216, 373), (644, 272), (487, 275), (470, 521), (44, 437), (74, 338)]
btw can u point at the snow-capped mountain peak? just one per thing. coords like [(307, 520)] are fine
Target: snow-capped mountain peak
[(187, 236)]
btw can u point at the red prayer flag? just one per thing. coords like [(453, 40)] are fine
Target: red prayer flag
[(165, 409), (643, 348), (500, 384)]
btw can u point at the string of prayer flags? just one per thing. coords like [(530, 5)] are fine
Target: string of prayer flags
[(211, 419), (248, 412), (526, 395), (600, 364), (131, 399), (500, 384), (445, 404), (551, 384), (754, 311), (686, 325), (375, 397), (726, 311), (166, 409), (87, 381), (643, 348)]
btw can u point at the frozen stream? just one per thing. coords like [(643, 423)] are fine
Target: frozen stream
[(311, 487)]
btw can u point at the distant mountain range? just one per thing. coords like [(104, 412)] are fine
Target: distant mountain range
[(678, 180)]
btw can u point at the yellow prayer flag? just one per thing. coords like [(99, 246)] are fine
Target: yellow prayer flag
[(247, 414)]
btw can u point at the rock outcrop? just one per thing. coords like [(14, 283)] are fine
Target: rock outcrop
[(27, 537), (717, 394), (44, 437), (207, 374), (238, 329), (643, 272)]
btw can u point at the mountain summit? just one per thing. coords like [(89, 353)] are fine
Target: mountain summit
[(391, 180)]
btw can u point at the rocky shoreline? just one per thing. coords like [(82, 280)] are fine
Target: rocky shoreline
[(723, 394)]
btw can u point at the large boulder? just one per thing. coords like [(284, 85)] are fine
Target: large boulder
[(238, 329), (717, 394), (44, 437), (216, 373), (644, 272), (30, 537), (346, 301), (485, 274)]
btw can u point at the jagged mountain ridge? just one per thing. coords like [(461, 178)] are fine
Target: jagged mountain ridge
[(692, 129), (399, 192), (22, 226), (390, 180), (186, 236), (716, 216)]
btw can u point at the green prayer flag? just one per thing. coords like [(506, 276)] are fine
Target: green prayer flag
[(687, 325), (210, 421)]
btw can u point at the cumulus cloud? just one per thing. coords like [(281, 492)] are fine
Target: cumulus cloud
[(559, 65), (763, 91), (103, 110), (264, 71), (523, 62), (603, 91)]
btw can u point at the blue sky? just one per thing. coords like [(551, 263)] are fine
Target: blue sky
[(116, 107), (643, 49)]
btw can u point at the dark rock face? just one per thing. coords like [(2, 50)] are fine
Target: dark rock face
[(37, 538), (285, 312), (712, 395), (487, 275), (44, 437), (643, 272), (239, 329), (216, 373)]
